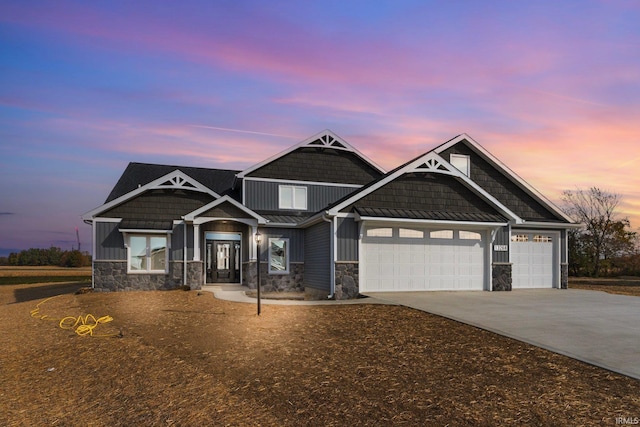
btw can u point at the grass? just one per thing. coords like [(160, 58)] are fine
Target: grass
[(48, 274)]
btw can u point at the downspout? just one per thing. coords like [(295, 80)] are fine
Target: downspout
[(332, 280)]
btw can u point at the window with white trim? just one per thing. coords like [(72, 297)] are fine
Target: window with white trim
[(292, 197), (278, 256), (538, 238), (520, 238), (147, 253), (461, 162)]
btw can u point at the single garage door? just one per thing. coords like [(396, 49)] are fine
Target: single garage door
[(414, 259), (532, 256)]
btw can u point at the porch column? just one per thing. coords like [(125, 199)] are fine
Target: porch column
[(196, 242)]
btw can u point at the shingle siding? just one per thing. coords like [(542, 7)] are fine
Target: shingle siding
[(319, 165), (426, 192), (317, 261), (501, 187), (160, 204), (263, 196)]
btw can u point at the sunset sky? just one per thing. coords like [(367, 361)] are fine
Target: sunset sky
[(551, 88)]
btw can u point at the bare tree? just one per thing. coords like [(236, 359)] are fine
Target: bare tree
[(603, 234)]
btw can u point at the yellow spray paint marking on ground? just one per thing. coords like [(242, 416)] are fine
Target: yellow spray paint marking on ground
[(81, 325)]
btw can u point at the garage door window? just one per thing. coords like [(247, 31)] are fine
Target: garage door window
[(470, 235), (520, 238), (441, 234), (408, 233), (542, 239), (380, 232)]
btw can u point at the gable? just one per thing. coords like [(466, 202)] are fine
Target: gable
[(319, 165), (136, 175), (427, 192), (159, 204), (224, 210), (506, 190)]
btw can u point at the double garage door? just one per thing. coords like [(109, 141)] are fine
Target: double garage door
[(532, 257), (415, 259)]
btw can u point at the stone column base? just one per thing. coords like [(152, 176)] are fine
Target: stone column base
[(501, 273)]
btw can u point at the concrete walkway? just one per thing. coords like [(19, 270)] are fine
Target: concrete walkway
[(595, 327), (236, 293)]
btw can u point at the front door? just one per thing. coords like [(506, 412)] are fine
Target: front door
[(223, 261)]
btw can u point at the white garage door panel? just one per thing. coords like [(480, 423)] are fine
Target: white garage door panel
[(533, 261), (409, 264)]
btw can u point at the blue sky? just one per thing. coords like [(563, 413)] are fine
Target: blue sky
[(550, 88)]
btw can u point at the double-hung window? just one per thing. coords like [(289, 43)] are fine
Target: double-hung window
[(292, 197), (147, 253), (279, 256)]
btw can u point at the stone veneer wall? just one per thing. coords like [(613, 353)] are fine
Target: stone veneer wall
[(274, 282), (347, 280), (501, 273), (564, 276), (111, 276)]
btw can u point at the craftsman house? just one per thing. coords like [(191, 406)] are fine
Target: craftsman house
[(332, 223)]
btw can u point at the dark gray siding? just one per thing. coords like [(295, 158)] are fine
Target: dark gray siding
[(563, 246), (503, 236), (489, 177), (296, 242), (109, 242), (263, 196), (347, 234), (318, 164), (177, 242), (317, 261)]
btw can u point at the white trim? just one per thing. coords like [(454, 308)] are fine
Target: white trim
[(104, 219), (430, 162), (177, 180), (455, 224), (290, 181), (483, 152), (224, 199), (554, 225), (328, 138), (294, 200), (147, 236), (144, 231)]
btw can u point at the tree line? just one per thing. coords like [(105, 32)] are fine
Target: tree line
[(49, 257), (605, 244)]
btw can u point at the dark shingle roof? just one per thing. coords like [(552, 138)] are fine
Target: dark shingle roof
[(138, 174)]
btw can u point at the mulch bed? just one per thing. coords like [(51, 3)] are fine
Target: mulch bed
[(188, 359)]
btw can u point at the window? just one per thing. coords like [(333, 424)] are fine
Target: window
[(470, 235), (147, 254), (520, 238), (380, 232), (293, 197), (278, 256), (461, 162), (542, 239), (441, 234), (409, 233)]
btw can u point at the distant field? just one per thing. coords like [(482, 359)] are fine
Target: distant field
[(27, 275)]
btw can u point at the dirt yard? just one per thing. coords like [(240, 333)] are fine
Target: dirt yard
[(187, 359)]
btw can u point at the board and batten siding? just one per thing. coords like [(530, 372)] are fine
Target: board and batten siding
[(109, 242), (296, 242), (347, 239), (264, 196), (317, 260), (503, 237)]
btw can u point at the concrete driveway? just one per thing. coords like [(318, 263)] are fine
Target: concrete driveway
[(594, 327)]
